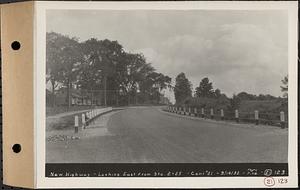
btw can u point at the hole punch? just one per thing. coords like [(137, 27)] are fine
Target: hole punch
[(16, 148), (16, 45)]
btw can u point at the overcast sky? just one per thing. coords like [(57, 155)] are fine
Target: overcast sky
[(237, 50)]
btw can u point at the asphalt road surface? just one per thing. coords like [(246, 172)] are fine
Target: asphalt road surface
[(149, 135)]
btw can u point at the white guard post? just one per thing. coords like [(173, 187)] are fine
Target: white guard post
[(83, 120), (237, 115), (256, 117), (76, 123), (222, 114)]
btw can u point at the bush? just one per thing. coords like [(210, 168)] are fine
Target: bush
[(199, 102)]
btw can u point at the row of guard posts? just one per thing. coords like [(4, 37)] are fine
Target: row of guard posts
[(88, 116), (185, 111)]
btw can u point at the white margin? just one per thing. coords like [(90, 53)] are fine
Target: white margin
[(176, 182)]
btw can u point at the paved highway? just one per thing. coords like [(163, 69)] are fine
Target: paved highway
[(149, 135)]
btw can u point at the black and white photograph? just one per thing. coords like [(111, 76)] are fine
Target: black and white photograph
[(167, 87)]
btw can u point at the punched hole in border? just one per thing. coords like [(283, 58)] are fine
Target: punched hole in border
[(16, 148), (15, 45)]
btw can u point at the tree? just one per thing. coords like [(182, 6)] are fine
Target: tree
[(217, 93), (182, 89), (101, 58), (135, 71), (284, 88), (103, 68), (63, 57), (235, 103), (246, 96), (205, 89), (153, 84)]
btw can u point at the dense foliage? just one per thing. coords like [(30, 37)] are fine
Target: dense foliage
[(182, 89), (105, 69), (102, 67)]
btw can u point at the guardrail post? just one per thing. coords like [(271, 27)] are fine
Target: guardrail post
[(76, 124), (83, 120), (190, 111), (256, 117), (282, 119), (202, 112), (211, 113), (195, 112), (222, 114), (237, 115), (184, 110)]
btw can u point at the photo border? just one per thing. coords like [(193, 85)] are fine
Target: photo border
[(184, 182)]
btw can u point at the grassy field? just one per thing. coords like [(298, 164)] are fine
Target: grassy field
[(271, 106), (64, 122), (60, 123), (269, 110)]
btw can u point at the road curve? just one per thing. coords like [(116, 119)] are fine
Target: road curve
[(148, 135)]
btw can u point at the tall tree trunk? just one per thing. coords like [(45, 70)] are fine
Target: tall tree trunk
[(92, 97), (105, 93), (69, 93)]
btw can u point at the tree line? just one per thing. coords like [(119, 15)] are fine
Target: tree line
[(206, 95), (105, 69), (102, 66)]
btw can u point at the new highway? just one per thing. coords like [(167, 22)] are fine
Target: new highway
[(150, 135)]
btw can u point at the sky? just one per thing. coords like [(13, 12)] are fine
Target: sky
[(237, 50)]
